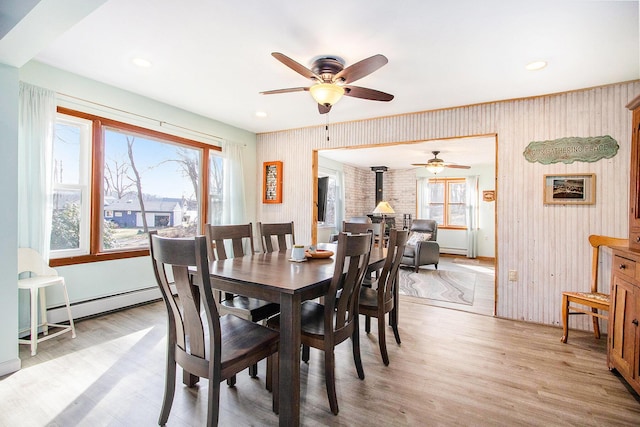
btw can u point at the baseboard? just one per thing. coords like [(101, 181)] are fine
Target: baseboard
[(452, 251), (106, 304), (10, 366)]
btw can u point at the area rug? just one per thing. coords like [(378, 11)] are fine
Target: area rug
[(450, 286)]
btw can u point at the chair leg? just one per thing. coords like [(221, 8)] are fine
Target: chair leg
[(355, 341), (565, 319), (43, 312), (382, 340), (596, 324), (213, 401), (231, 381), (330, 379), (66, 299), (34, 321), (169, 389), (273, 367), (253, 370), (305, 353)]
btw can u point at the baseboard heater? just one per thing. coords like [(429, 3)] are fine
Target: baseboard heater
[(102, 305)]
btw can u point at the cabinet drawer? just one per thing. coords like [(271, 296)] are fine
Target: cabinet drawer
[(634, 240), (624, 266)]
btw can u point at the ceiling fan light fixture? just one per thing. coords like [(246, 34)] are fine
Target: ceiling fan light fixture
[(435, 167), (326, 94)]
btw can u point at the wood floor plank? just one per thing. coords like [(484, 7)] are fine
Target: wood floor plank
[(453, 368)]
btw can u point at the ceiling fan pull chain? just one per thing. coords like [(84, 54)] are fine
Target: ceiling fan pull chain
[(326, 126)]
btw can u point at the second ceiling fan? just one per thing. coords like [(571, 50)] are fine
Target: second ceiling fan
[(332, 80), (437, 165)]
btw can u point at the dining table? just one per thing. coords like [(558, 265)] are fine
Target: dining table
[(276, 278)]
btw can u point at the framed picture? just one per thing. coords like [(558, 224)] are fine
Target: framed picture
[(272, 182), (570, 189)]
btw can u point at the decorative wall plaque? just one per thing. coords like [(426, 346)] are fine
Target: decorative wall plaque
[(571, 149)]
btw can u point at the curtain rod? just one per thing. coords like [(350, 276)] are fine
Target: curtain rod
[(160, 122)]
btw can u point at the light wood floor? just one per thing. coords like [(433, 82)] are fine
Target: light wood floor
[(453, 368)]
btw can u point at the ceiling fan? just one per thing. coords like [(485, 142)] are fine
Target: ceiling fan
[(437, 165), (331, 80)]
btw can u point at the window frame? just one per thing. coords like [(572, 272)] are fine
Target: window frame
[(445, 211), (96, 184)]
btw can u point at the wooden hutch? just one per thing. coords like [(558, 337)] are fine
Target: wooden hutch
[(623, 347)]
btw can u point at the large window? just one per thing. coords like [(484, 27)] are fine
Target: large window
[(330, 190), (444, 200), (141, 180)]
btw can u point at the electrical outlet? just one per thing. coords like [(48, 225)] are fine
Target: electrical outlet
[(513, 275)]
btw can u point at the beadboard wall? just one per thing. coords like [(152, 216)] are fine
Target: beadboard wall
[(546, 244)]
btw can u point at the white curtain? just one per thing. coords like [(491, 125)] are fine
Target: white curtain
[(35, 172), (472, 216), (233, 200)]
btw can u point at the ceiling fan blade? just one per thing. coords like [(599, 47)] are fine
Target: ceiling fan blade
[(296, 66), (324, 109), (364, 93), (291, 89), (419, 164), (457, 166), (361, 69)]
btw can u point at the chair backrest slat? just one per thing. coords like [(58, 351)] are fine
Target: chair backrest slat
[(185, 322), (352, 261), (596, 241), (239, 236), (278, 230), (389, 274)]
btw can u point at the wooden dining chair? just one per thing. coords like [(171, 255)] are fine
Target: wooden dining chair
[(362, 227), (215, 349), (593, 299), (239, 239), (378, 300), (278, 230), (326, 325)]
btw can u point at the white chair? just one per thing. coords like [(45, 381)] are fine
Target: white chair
[(30, 260)]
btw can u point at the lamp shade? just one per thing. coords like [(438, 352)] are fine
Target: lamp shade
[(326, 94), (383, 208), (435, 167)]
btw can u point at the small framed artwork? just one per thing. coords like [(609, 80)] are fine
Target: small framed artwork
[(272, 182), (570, 189)]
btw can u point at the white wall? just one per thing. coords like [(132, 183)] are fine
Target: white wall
[(547, 245), (95, 280), (9, 89)]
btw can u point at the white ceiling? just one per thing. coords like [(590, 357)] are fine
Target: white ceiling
[(213, 57)]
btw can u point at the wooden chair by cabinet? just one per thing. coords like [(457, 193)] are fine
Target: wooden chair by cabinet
[(326, 325), (216, 349), (378, 300), (593, 299), (278, 230)]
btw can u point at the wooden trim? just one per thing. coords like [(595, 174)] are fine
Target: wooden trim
[(635, 103), (314, 190), (102, 256)]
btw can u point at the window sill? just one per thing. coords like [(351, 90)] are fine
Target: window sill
[(105, 256)]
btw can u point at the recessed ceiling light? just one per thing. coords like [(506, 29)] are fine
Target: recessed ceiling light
[(536, 65), (141, 62), (261, 114)]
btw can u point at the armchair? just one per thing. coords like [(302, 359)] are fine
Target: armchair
[(422, 248)]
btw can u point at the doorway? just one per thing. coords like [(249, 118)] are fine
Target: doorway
[(400, 187)]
